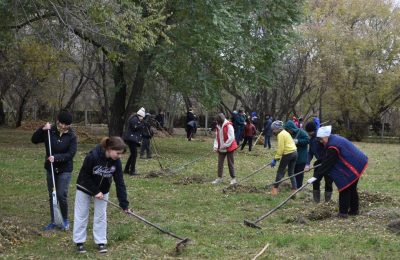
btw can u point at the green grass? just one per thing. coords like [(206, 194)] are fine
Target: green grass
[(211, 219)]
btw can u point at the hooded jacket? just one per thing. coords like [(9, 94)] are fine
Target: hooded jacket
[(97, 173), (303, 141), (63, 148)]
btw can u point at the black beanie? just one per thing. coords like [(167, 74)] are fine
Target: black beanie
[(65, 117), (311, 127)]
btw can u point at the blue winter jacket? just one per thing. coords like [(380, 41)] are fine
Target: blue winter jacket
[(351, 164), (315, 149)]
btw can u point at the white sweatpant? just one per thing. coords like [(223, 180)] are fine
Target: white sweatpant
[(81, 218)]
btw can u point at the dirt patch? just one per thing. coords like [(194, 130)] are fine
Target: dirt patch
[(238, 188), (394, 226), (384, 213), (191, 179), (13, 233)]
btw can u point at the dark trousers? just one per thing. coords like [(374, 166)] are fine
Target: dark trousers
[(238, 135), (131, 163), (288, 160), (189, 132), (348, 200), (62, 181), (300, 177), (231, 164), (247, 139), (145, 148), (317, 183), (267, 141)]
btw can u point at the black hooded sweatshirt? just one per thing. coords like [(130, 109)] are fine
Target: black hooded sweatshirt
[(97, 173)]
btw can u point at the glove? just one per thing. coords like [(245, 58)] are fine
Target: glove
[(307, 168), (311, 180), (273, 163), (296, 141)]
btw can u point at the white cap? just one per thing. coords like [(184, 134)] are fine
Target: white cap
[(141, 112), (324, 131)]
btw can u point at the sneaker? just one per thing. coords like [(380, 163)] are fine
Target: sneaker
[(274, 191), (65, 225), (50, 226), (102, 248), (217, 180), (142, 157), (133, 173), (233, 181), (80, 248)]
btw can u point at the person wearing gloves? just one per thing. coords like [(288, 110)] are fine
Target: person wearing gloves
[(100, 167), (344, 163), (133, 137), (63, 147), (225, 145), (286, 153), (301, 139), (317, 150)]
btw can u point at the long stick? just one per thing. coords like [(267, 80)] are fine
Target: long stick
[(255, 143), (294, 175), (261, 252), (58, 219), (253, 224), (137, 216), (193, 161), (247, 177)]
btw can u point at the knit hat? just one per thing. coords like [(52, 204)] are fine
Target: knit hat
[(65, 117), (324, 131), (277, 125), (310, 127), (141, 112)]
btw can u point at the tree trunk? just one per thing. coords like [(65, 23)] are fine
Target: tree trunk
[(145, 60), (21, 108), (118, 105), (2, 114)]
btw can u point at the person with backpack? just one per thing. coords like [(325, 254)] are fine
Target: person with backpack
[(101, 166), (63, 147), (249, 133), (225, 145), (133, 137), (147, 135)]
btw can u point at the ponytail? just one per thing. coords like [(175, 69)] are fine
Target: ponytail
[(113, 143)]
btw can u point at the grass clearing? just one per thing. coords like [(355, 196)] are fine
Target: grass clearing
[(188, 205)]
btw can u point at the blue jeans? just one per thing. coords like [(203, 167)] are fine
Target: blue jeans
[(62, 181), (267, 141)]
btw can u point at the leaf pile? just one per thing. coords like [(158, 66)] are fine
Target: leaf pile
[(13, 233), (191, 179), (238, 188), (394, 226), (368, 198), (156, 174)]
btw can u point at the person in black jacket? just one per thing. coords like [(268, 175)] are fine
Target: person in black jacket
[(191, 124), (133, 137), (63, 147), (147, 135), (100, 167)]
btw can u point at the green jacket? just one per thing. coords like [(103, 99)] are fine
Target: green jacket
[(303, 141)]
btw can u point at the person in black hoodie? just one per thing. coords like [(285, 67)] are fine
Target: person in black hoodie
[(63, 147), (99, 168)]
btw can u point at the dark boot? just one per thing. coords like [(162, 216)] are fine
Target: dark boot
[(317, 196), (328, 196)]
